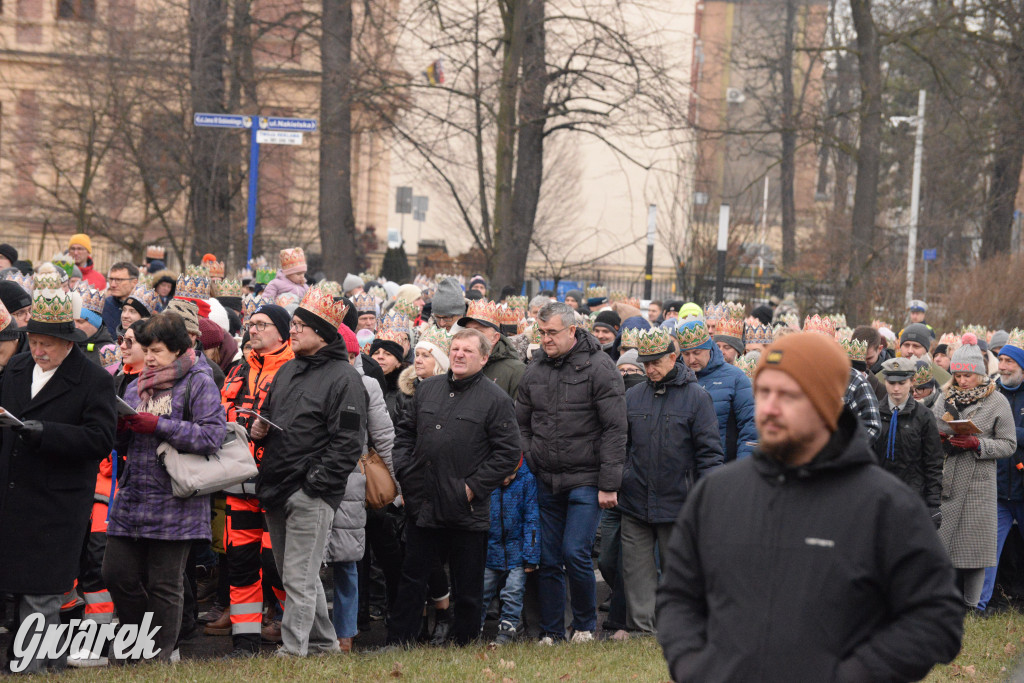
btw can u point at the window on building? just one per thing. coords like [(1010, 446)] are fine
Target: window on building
[(82, 10)]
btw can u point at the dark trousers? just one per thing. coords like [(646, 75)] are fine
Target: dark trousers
[(145, 575), (466, 553), (382, 539), (610, 564)]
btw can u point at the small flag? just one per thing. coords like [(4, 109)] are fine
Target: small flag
[(435, 73)]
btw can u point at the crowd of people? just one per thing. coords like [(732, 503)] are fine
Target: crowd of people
[(871, 476)]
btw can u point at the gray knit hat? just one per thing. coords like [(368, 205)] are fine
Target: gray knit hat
[(630, 357), (968, 357), (917, 332), (999, 339), (449, 299), (351, 282)]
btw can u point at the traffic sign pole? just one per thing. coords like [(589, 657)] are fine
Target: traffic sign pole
[(254, 172)]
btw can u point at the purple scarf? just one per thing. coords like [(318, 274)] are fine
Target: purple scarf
[(153, 380)]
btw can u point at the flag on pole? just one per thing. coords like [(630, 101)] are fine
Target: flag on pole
[(435, 73)]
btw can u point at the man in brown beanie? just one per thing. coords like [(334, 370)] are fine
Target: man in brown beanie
[(851, 582)]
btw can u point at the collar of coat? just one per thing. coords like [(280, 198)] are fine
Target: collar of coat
[(465, 382), (848, 447)]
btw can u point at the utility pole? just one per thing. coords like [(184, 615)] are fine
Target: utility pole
[(723, 247), (652, 221), (915, 195)]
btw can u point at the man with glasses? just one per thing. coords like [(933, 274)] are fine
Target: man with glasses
[(319, 402), (80, 251), (246, 539), (122, 280), (572, 415), (448, 304)]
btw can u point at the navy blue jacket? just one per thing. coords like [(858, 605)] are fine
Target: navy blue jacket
[(734, 405), (514, 537), (112, 314), (1010, 480), (673, 440)]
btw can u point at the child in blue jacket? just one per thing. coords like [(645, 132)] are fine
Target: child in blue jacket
[(513, 548)]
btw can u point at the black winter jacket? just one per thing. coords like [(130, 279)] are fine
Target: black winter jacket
[(320, 404), (456, 433), (1010, 480), (827, 572), (572, 415), (673, 440), (918, 455)]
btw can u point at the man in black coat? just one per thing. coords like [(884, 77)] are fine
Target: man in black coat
[(909, 444), (48, 466), (807, 561), (461, 440)]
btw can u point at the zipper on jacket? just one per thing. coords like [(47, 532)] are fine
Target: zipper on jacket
[(773, 543)]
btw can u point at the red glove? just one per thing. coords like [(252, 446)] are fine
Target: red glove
[(122, 423), (967, 443), (142, 423)]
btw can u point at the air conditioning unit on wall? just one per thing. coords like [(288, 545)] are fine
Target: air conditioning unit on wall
[(734, 96)]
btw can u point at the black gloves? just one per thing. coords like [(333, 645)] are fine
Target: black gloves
[(936, 516), (31, 433)]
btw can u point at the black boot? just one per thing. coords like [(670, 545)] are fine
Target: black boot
[(442, 625)]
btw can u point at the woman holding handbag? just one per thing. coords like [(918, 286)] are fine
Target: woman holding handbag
[(151, 531)]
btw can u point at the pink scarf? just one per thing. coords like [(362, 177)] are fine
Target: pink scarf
[(153, 380)]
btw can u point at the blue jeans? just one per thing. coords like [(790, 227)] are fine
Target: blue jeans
[(1006, 512), (346, 599), (512, 584), (568, 525)]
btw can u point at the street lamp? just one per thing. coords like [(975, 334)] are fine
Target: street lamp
[(915, 190)]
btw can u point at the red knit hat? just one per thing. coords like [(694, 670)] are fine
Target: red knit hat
[(351, 343), (211, 335)]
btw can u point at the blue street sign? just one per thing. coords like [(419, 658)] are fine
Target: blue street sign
[(222, 121), (279, 123), (929, 254)]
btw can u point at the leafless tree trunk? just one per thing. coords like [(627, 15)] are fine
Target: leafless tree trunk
[(1004, 178), (865, 200), (337, 221), (788, 133), (210, 192)]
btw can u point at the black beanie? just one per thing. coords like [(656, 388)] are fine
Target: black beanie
[(9, 252), (609, 319), (14, 296), (323, 328), (351, 319), (278, 316), (764, 314), (394, 348)]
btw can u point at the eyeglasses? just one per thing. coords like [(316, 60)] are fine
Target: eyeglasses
[(631, 371), (446, 318), (124, 341), (260, 326), (551, 333), (121, 279), (297, 326)]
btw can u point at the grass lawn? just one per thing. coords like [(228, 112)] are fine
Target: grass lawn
[(991, 649)]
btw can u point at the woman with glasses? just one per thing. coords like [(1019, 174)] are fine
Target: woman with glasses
[(132, 357)]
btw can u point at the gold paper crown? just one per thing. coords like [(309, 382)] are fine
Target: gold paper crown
[(194, 283), (632, 301), (781, 330), (522, 325), (838, 319), (438, 336), (729, 327), (856, 350), (587, 321), (406, 308), (757, 334), (227, 288), (1016, 338), (533, 335), (365, 303), (155, 251), (378, 293), (515, 301), (815, 323), (110, 355), (92, 298), (630, 338), (510, 316), (923, 375), (265, 275), (5, 316), (331, 287), (285, 299), (791, 320), (292, 257), (215, 269), (747, 364), (724, 310), (485, 311), (24, 280), (952, 341), (48, 280), (368, 279), (844, 333), (250, 302), (596, 292), (52, 305), (616, 296), (692, 333), (653, 341), (147, 297), (321, 304), (977, 330), (394, 327)]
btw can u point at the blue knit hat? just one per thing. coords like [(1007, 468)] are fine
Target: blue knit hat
[(1014, 348)]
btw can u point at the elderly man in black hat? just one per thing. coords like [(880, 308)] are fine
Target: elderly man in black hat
[(19, 304), (48, 462)]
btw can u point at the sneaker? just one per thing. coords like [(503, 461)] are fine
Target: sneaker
[(582, 636), (85, 658), (175, 656), (506, 634), (546, 641)]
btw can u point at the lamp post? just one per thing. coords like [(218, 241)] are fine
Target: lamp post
[(915, 189)]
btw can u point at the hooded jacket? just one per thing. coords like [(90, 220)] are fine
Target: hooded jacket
[(733, 395), (320, 404), (514, 537), (673, 441), (768, 580), (1010, 480), (504, 367), (572, 416)]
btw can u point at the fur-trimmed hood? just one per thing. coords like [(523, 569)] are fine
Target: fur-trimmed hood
[(407, 381)]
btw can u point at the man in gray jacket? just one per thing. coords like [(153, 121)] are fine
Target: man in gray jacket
[(571, 409)]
